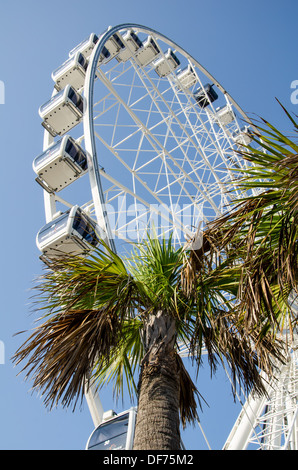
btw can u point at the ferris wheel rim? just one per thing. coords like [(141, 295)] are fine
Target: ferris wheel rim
[(88, 118), (90, 75)]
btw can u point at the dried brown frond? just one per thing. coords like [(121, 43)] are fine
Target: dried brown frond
[(246, 351), (62, 350), (188, 395)]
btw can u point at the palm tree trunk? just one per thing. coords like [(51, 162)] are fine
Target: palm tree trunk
[(157, 425)]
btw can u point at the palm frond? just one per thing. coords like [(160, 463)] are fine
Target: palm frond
[(124, 360), (260, 232), (61, 351), (84, 303), (156, 266), (246, 267)]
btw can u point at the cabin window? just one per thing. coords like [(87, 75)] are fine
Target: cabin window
[(111, 435), (154, 45), (118, 41), (105, 52), (84, 227), (82, 61), (75, 98), (136, 39), (53, 227), (71, 149)]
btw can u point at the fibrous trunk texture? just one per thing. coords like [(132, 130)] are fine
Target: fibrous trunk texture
[(157, 425)]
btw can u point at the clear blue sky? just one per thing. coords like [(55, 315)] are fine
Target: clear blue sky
[(251, 49)]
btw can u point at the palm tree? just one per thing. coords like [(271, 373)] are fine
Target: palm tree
[(260, 232), (105, 318)]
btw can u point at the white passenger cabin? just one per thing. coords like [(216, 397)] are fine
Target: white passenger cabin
[(72, 232), (132, 45), (116, 433), (187, 77), (243, 136), (114, 45), (110, 49), (71, 72), (205, 95), (166, 64), (85, 47), (224, 115), (105, 56), (148, 52), (62, 163), (62, 112)]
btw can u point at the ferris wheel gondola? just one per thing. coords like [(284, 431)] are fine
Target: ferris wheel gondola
[(60, 164)]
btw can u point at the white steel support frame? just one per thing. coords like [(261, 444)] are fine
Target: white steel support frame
[(166, 156), (270, 422), (91, 135)]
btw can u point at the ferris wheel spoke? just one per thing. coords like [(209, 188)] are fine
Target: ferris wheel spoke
[(156, 146), (156, 209)]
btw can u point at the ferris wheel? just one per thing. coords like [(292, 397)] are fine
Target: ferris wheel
[(138, 137)]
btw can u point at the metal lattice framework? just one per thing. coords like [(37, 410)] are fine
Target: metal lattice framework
[(160, 136), (157, 157), (270, 422)]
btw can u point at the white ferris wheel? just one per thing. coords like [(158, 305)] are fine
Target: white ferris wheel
[(147, 137)]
